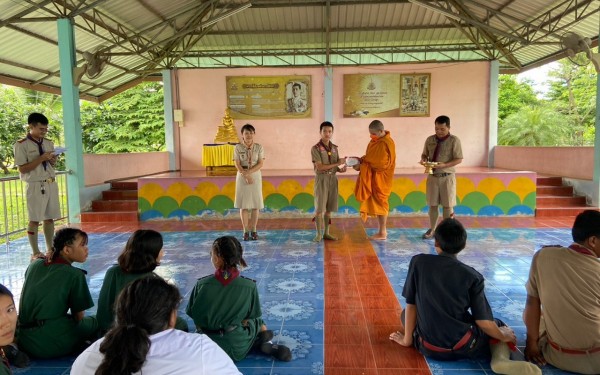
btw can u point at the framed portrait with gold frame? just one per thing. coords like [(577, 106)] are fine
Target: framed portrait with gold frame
[(414, 94)]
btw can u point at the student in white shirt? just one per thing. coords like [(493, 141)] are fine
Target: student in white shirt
[(143, 340)]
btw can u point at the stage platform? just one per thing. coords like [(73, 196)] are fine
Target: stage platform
[(193, 195)]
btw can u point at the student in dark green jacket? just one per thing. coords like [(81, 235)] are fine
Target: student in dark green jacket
[(55, 295), (140, 257), (225, 306)]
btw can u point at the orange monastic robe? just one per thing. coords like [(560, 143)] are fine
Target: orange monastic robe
[(374, 183)]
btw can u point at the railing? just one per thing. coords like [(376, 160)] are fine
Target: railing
[(14, 206)]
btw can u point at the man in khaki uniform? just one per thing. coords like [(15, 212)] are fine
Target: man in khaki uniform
[(326, 162), (444, 148), (34, 155), (562, 312)]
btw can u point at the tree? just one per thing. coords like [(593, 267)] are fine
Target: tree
[(15, 105), (132, 121), (513, 95), (534, 126), (573, 91)]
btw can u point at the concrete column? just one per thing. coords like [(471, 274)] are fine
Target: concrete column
[(493, 112), (71, 118)]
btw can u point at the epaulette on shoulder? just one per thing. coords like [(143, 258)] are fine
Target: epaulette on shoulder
[(247, 278), (551, 246), (22, 140), (82, 270)]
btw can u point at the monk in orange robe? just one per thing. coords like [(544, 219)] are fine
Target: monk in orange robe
[(374, 183)]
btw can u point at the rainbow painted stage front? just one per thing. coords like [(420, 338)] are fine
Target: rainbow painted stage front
[(194, 195)]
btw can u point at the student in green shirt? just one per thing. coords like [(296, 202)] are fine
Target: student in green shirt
[(140, 257), (225, 306), (55, 295)]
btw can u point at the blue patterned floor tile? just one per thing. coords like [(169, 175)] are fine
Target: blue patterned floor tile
[(255, 371)]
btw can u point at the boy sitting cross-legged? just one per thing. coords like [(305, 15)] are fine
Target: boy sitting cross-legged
[(447, 314)]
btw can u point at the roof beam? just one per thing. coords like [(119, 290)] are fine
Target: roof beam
[(24, 13)]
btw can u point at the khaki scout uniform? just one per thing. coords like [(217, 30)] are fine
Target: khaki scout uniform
[(568, 286), (326, 183), (42, 190), (441, 185)]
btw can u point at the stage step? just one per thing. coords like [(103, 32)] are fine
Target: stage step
[(553, 199), (119, 204), (109, 217)]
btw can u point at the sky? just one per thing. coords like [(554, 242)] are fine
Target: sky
[(539, 76)]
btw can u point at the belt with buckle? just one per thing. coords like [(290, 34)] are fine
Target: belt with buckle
[(49, 180), (462, 342), (441, 174), (572, 351), (220, 331), (329, 171)]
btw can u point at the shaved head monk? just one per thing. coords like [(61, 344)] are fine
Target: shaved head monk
[(374, 183)]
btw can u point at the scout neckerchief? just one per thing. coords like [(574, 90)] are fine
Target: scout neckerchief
[(328, 149), (582, 250), (226, 276), (40, 148), (438, 146), (58, 260), (249, 153)]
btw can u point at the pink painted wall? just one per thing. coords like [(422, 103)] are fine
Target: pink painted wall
[(103, 167), (459, 90), (571, 162)]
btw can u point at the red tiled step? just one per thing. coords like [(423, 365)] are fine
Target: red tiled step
[(106, 217), (115, 205), (124, 185), (560, 201), (115, 194), (565, 191), (559, 211), (549, 181)]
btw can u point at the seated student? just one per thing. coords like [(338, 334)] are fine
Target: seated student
[(52, 287), (225, 306), (447, 315), (562, 312), (140, 257), (143, 341), (8, 325)]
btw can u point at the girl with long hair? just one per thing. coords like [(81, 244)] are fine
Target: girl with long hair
[(140, 257), (143, 341)]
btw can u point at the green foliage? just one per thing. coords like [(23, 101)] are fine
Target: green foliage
[(565, 117), (535, 126), (513, 95), (15, 105), (573, 92), (132, 121)]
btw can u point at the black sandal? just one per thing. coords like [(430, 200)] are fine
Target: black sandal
[(280, 352)]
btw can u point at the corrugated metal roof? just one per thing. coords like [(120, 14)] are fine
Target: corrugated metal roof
[(146, 36)]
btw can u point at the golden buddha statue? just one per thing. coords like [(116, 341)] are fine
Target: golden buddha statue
[(226, 132)]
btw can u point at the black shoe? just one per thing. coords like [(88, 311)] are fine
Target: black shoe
[(246, 236), (264, 336), (15, 357), (254, 236), (280, 352)]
